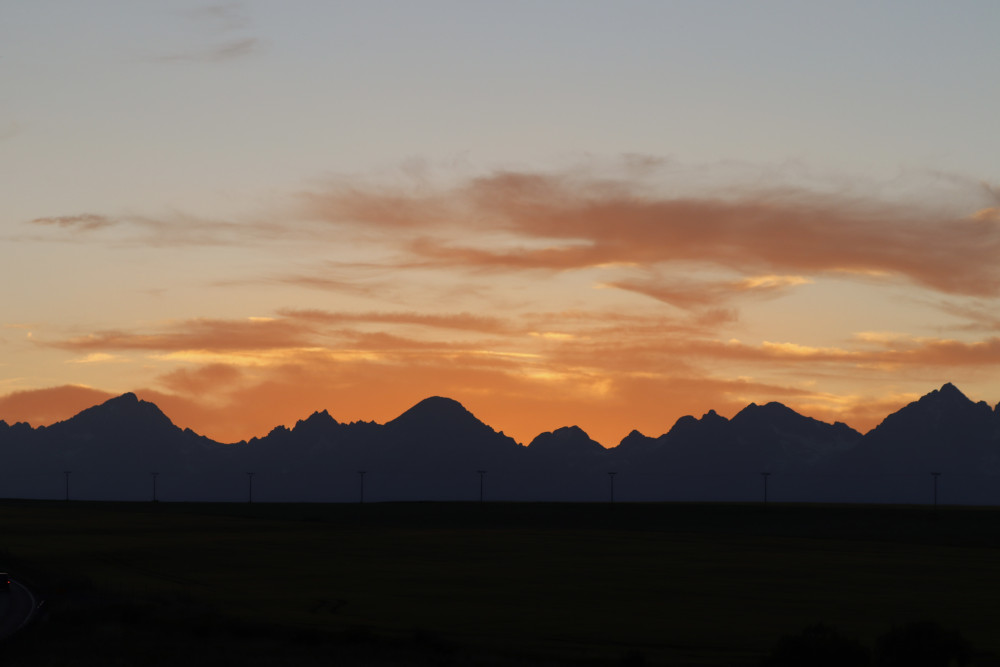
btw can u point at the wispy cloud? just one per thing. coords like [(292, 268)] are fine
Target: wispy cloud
[(173, 229), (229, 50), (771, 239), (86, 222), (533, 346), (460, 321), (978, 315), (200, 334), (224, 15), (98, 358), (566, 221), (221, 21), (689, 294)]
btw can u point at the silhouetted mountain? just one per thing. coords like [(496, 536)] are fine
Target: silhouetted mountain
[(440, 422), (110, 448), (941, 432), (118, 418), (433, 452), (791, 440), (714, 458), (771, 438), (565, 441), (438, 439), (636, 443), (943, 429), (318, 426)]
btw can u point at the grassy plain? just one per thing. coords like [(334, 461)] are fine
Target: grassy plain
[(452, 583)]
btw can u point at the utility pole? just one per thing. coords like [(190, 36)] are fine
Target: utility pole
[(482, 474), (611, 477), (154, 475), (765, 475), (935, 475), (361, 474), (67, 472), (250, 488)]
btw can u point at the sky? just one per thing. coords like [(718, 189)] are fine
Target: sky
[(604, 214)]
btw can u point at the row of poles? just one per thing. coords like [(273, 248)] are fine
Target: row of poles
[(482, 476)]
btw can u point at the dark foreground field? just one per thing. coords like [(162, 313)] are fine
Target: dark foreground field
[(193, 584)]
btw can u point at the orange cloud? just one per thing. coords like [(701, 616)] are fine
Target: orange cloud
[(460, 321), (688, 294), (203, 380), (201, 334), (562, 222), (41, 407), (538, 345), (943, 352)]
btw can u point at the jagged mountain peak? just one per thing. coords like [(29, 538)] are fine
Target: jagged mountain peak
[(945, 400), (950, 397), (318, 419), (938, 426)]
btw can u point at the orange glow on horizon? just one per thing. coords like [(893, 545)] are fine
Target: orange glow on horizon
[(254, 411)]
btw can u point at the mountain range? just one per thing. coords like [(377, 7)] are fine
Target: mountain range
[(126, 448)]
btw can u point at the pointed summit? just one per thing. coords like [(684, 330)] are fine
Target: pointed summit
[(942, 430), (122, 413), (949, 391), (948, 399)]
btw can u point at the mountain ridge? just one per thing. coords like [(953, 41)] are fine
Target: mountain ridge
[(428, 451)]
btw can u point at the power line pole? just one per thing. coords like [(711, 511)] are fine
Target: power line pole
[(361, 474), (765, 475), (935, 475), (482, 474), (67, 472), (250, 487), (154, 476), (611, 477)]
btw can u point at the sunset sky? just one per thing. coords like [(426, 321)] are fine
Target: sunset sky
[(608, 214)]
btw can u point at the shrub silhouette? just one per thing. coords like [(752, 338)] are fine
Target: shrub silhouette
[(817, 646), (922, 644)]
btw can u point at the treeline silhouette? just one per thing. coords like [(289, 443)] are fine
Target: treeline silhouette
[(942, 448)]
